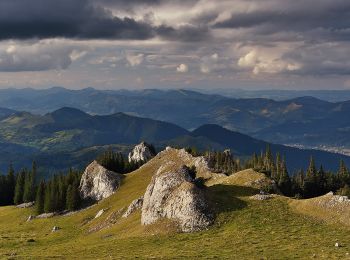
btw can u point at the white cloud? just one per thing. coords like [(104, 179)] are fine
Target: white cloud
[(182, 68), (134, 59), (38, 56), (267, 61), (209, 63)]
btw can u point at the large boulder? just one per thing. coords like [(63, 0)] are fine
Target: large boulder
[(142, 152), (172, 194), (98, 183)]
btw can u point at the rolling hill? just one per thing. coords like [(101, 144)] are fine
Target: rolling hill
[(69, 137), (306, 121), (243, 228)]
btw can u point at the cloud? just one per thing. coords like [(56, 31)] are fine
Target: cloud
[(81, 19), (209, 63), (182, 68), (265, 61), (40, 56), (134, 59)]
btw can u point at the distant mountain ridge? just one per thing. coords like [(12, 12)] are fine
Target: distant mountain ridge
[(303, 121), (68, 137)]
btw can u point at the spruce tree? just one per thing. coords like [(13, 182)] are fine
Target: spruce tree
[(27, 193), (284, 181), (48, 207), (72, 199), (19, 189), (11, 184), (311, 171), (310, 182), (40, 198)]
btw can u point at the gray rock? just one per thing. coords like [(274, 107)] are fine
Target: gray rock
[(260, 196), (99, 214), (26, 205), (135, 205), (141, 153), (55, 228), (172, 194), (30, 218), (98, 183), (47, 215)]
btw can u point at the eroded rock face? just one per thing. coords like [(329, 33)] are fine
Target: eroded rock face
[(98, 183), (173, 195), (135, 205), (141, 153)]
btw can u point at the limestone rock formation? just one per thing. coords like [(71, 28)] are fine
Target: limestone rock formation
[(173, 195), (135, 205), (142, 152), (99, 214), (98, 183), (55, 228), (26, 205)]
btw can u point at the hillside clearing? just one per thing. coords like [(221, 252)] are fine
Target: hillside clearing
[(244, 229)]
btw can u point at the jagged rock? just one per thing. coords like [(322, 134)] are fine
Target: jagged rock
[(47, 215), (141, 153), (31, 217), (55, 228), (227, 152), (173, 195), (98, 183), (262, 196), (135, 205), (99, 214), (26, 205)]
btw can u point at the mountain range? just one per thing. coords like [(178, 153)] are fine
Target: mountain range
[(304, 121), (69, 137)]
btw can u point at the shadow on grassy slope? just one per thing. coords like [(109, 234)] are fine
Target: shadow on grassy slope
[(224, 198)]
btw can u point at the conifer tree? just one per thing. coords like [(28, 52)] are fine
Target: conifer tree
[(11, 184), (27, 187), (310, 182), (48, 205), (311, 171), (284, 181), (40, 198), (19, 189), (72, 199)]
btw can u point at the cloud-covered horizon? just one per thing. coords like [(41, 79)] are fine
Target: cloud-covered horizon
[(155, 43)]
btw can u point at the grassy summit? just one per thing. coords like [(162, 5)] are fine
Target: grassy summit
[(244, 228)]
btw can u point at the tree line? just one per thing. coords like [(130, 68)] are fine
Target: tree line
[(60, 192), (302, 184), (117, 162)]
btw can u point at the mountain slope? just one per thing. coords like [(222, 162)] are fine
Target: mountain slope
[(243, 229), (62, 139), (270, 120), (244, 145)]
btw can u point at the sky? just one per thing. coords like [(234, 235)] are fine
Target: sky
[(208, 44)]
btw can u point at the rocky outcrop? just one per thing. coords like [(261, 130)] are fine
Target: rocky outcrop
[(98, 183), (26, 205), (47, 215), (99, 214), (135, 205), (262, 196), (173, 195), (141, 153)]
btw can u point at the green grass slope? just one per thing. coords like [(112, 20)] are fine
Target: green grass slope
[(244, 229)]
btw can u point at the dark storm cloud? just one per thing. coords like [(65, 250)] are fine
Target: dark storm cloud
[(185, 33), (330, 15), (22, 19), (81, 19)]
